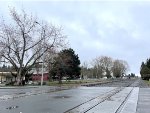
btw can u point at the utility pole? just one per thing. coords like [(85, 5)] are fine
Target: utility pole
[(42, 73), (42, 56)]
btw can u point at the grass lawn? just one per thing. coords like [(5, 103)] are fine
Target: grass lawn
[(147, 82), (73, 82)]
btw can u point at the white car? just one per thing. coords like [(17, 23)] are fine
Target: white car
[(30, 82)]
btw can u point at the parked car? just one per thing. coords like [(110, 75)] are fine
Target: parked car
[(30, 82)]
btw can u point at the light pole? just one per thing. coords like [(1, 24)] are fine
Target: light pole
[(42, 72), (43, 42), (42, 56), (42, 64)]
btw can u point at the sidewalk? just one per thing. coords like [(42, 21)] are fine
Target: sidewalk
[(144, 101)]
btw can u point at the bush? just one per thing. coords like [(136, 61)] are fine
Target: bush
[(10, 83)]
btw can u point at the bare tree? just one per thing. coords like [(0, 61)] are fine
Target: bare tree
[(25, 40), (102, 64), (119, 68), (97, 67), (107, 63), (84, 70), (49, 60)]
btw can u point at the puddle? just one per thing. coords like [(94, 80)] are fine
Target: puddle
[(20, 93), (12, 107), (60, 97)]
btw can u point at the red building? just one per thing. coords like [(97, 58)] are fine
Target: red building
[(37, 77)]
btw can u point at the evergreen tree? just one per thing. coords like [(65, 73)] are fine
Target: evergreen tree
[(148, 63), (66, 64), (132, 75), (145, 70), (142, 65), (145, 73)]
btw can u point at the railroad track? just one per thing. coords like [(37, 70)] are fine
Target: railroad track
[(100, 83), (123, 103), (92, 103)]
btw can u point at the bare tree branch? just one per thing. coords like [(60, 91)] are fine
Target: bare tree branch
[(24, 42)]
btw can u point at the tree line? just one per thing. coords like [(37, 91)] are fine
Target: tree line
[(145, 70), (104, 66)]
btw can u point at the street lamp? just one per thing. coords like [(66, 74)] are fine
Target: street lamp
[(43, 52), (42, 56), (42, 73)]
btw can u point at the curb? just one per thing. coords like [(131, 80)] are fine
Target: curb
[(21, 87)]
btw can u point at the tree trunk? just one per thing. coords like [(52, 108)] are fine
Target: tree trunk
[(50, 76), (19, 78), (60, 79)]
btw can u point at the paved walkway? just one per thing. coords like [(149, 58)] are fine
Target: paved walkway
[(73, 97), (144, 101)]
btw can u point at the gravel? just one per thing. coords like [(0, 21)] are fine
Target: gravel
[(124, 83), (142, 84)]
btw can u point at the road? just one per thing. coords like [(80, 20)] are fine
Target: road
[(116, 97)]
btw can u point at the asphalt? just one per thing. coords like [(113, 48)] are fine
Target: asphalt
[(19, 92), (56, 102), (132, 97)]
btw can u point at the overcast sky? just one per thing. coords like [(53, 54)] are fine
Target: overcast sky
[(120, 30)]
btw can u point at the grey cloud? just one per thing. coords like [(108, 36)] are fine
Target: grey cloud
[(122, 28)]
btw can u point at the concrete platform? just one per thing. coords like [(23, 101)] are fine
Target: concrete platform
[(144, 101), (111, 105), (130, 106)]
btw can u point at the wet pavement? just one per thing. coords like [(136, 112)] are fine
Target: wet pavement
[(56, 102), (144, 101), (116, 97), (16, 92)]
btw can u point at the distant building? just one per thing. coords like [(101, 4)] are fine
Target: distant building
[(37, 77), (37, 74), (5, 75)]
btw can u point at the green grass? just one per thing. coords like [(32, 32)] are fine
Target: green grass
[(147, 82), (72, 82)]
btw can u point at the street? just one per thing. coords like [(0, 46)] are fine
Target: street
[(115, 97)]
